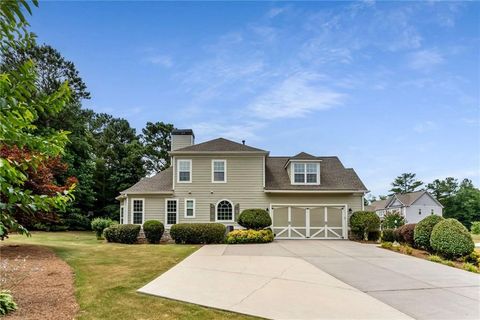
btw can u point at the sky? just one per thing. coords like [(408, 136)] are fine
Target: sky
[(388, 87)]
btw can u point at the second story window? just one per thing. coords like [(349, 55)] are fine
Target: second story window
[(306, 173), (184, 171), (219, 171)]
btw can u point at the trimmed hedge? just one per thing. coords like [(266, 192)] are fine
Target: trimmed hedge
[(404, 234), (423, 231), (451, 239), (250, 236), (392, 220), (196, 233), (100, 224), (475, 227), (122, 233), (153, 230), (363, 222), (388, 235), (255, 219)]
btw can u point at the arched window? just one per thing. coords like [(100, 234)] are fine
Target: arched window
[(224, 211)]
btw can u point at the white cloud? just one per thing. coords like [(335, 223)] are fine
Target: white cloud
[(237, 132), (161, 60), (296, 96), (425, 59)]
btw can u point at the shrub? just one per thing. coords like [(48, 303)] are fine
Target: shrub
[(363, 222), (374, 235), (408, 250), (470, 267), (423, 231), (405, 233), (122, 233), (255, 219), (435, 258), (393, 220), (473, 258), (250, 236), (100, 224), (195, 233), (475, 228), (153, 230), (451, 239), (77, 222), (387, 245), (7, 304), (388, 235)]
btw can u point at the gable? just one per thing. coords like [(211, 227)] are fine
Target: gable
[(427, 200), (396, 203)]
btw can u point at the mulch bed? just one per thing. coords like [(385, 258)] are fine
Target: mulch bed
[(47, 292)]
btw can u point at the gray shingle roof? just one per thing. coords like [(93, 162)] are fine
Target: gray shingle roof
[(161, 182), (409, 198), (333, 176), (219, 145), (303, 156), (379, 204)]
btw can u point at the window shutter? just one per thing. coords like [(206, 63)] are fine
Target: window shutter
[(212, 212), (236, 212)]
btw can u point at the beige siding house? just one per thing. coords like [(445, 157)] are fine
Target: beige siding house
[(308, 197)]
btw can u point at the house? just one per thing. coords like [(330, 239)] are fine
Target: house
[(308, 197), (414, 206)]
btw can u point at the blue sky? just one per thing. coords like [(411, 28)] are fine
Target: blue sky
[(389, 87)]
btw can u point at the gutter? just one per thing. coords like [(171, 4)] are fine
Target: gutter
[(315, 191)]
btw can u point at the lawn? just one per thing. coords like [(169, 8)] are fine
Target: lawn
[(108, 275)]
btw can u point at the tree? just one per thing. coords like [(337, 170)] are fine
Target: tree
[(442, 189), (405, 183), (119, 161), (156, 141), (20, 104), (464, 205)]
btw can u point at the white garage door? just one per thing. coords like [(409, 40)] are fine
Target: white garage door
[(320, 221)]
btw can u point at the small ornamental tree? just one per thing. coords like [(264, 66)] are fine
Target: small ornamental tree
[(255, 219), (20, 104), (393, 220)]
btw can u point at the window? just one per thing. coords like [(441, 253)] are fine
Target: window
[(137, 212), (419, 211), (432, 211), (189, 208), (171, 206), (121, 214), (219, 169), (184, 170), (306, 173), (224, 211)]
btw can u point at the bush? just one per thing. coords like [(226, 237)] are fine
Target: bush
[(473, 258), (423, 231), (470, 267), (195, 233), (374, 235), (405, 233), (122, 233), (392, 220), (100, 224), (451, 239), (77, 222), (250, 236), (475, 227), (255, 219), (388, 235), (7, 304), (153, 230), (387, 245), (363, 222)]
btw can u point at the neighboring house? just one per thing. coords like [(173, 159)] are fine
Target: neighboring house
[(414, 206), (306, 196)]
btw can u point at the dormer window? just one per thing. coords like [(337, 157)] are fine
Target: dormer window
[(305, 173)]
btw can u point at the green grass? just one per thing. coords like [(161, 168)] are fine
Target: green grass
[(476, 237), (107, 276)]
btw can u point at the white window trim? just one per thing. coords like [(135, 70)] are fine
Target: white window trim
[(233, 211), (292, 174), (224, 168), (143, 210), (178, 170), (194, 209), (166, 212), (122, 213)]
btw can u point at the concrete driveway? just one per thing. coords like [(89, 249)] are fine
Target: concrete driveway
[(315, 279)]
